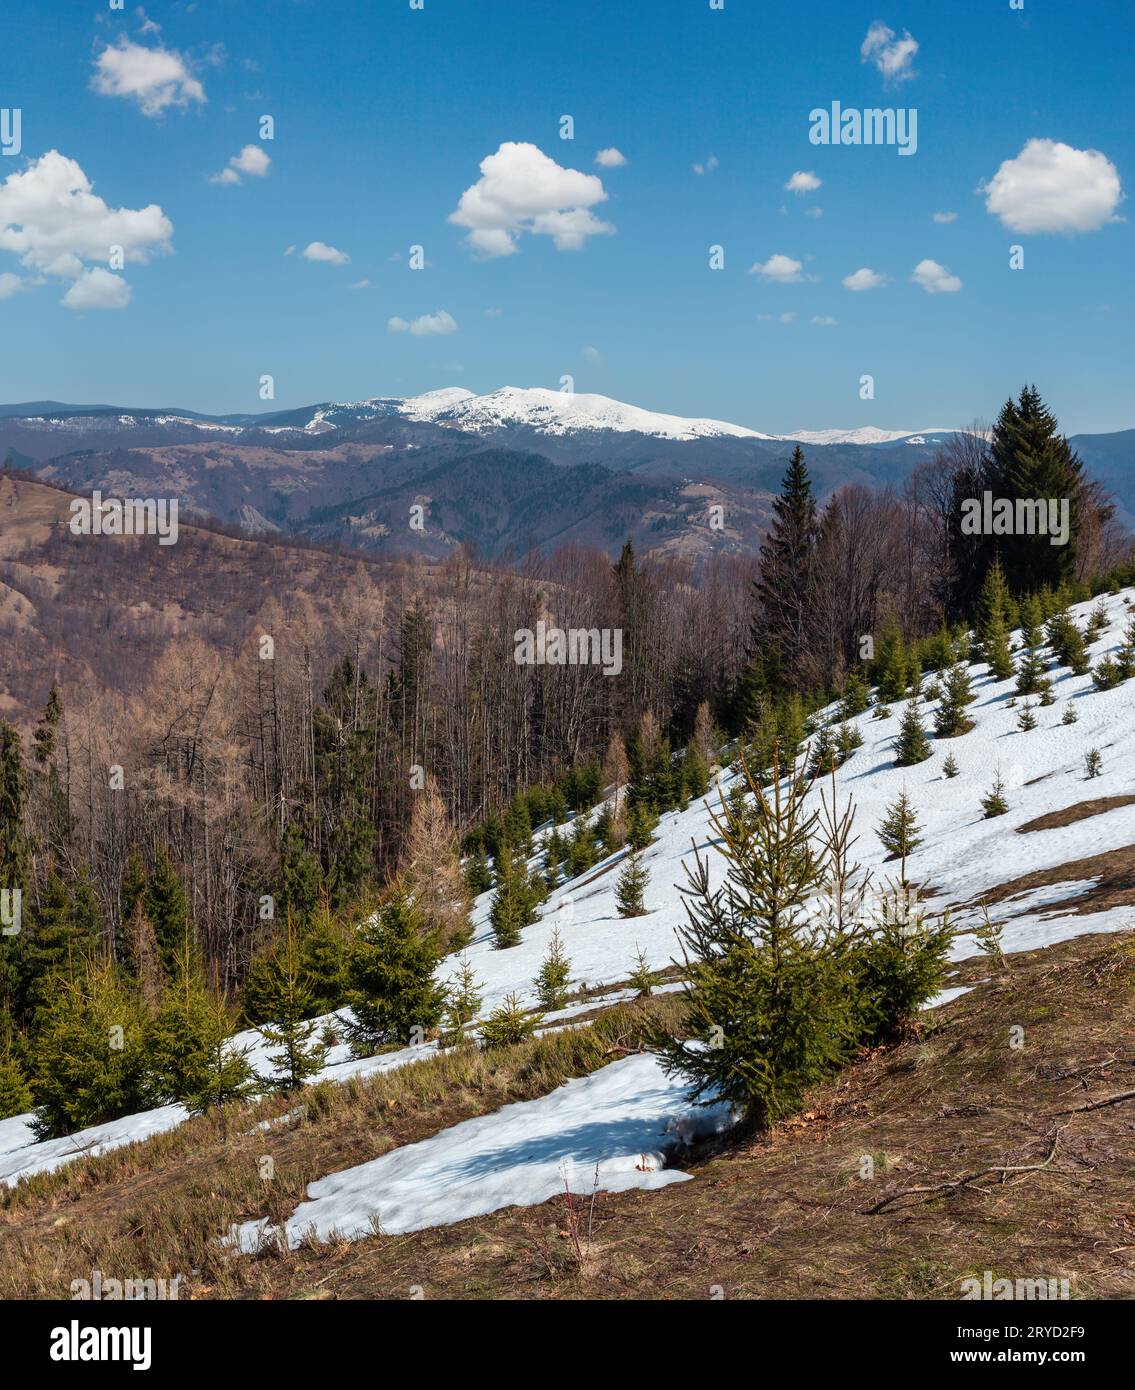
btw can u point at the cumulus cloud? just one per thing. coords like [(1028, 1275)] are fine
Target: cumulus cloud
[(864, 279), (803, 181), (155, 78), (610, 158), (945, 217), (522, 190), (97, 289), (9, 284), (824, 320), (51, 218), (426, 325), (782, 269), (935, 278), (892, 56), (1052, 187), (708, 166), (320, 251), (252, 160)]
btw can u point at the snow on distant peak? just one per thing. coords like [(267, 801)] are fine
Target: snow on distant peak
[(561, 412), (429, 403), (865, 434)]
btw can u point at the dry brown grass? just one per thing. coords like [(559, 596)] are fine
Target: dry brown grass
[(158, 1208), (1114, 870), (1069, 815)]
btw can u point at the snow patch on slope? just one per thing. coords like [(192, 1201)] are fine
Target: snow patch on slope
[(610, 1130)]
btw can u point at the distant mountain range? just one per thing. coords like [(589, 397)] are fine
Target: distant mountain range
[(501, 472)]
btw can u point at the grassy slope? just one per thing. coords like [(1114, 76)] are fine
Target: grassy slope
[(780, 1217)]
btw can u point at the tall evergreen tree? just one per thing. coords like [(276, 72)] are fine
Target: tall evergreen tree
[(781, 628), (1030, 460)]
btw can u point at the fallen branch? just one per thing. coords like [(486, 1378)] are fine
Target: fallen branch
[(1099, 1104), (928, 1194)]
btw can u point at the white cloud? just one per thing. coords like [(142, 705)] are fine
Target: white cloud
[(522, 190), (892, 56), (789, 317), (813, 212), (425, 326), (320, 251), (97, 289), (493, 313), (782, 269), (864, 279), (52, 220), (945, 217), (803, 181), (156, 78), (146, 24), (935, 278), (824, 320), (708, 167), (610, 158), (9, 284), (592, 354), (1052, 187), (363, 284), (252, 160)]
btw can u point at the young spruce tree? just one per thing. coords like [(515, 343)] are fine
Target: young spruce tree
[(912, 746), (631, 886), (767, 983)]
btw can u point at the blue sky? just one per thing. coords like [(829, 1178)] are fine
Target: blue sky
[(383, 115)]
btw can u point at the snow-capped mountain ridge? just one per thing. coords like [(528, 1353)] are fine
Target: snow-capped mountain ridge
[(567, 412)]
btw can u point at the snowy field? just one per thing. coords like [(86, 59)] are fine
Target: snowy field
[(623, 1117)]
